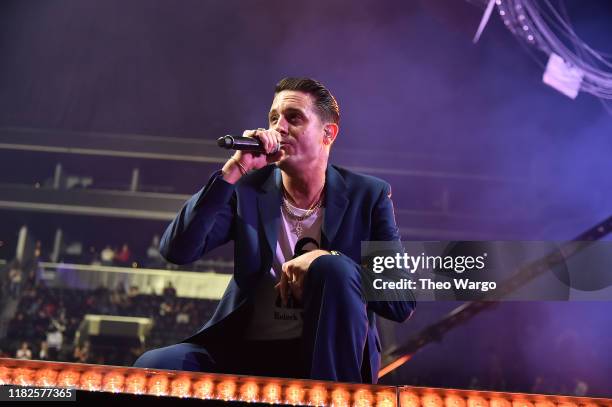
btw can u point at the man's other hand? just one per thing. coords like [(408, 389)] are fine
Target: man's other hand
[(294, 273)]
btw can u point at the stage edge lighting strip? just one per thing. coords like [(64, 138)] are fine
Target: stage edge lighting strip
[(112, 379), (205, 386)]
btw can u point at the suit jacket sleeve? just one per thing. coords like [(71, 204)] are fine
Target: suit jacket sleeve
[(384, 228), (203, 223)]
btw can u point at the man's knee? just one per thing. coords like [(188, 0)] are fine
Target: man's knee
[(334, 271), (182, 356), (150, 359), (160, 358)]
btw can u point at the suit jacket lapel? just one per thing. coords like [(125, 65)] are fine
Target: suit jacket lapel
[(268, 202), (336, 203)]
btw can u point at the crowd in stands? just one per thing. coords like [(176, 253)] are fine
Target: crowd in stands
[(112, 254), (47, 319)]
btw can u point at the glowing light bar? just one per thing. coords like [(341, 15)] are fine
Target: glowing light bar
[(207, 386), (431, 397)]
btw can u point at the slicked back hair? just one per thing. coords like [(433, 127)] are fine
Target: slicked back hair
[(325, 102)]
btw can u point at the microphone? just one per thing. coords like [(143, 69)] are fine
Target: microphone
[(243, 143)]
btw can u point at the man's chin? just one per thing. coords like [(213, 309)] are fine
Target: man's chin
[(284, 161), (282, 164)]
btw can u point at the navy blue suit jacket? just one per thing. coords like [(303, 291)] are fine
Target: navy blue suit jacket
[(357, 208)]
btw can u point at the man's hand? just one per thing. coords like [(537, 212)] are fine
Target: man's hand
[(294, 273), (243, 161), (271, 141)]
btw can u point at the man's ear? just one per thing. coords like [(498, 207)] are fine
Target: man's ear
[(331, 132)]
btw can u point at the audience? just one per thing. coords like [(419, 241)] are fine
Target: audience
[(124, 256), (24, 352), (43, 354), (55, 337), (15, 277), (169, 291), (107, 255), (154, 257), (81, 353), (51, 317)]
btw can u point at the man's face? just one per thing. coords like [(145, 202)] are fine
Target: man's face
[(295, 117)]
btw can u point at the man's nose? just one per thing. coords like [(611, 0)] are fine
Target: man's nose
[(281, 125)]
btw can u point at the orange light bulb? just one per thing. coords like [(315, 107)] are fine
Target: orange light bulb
[(4, 375), (432, 400), (340, 398), (91, 380), (249, 392), (158, 385), (46, 378), (226, 390), (68, 378), (294, 394), (497, 401), (386, 399), (23, 377), (317, 396), (363, 398), (409, 399), (113, 382), (136, 383), (180, 387), (203, 389), (272, 393)]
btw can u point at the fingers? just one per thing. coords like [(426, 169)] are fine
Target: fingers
[(283, 288), (269, 138), (287, 270), (300, 280), (276, 137), (290, 282)]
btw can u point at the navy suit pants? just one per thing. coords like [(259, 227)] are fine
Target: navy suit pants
[(332, 345)]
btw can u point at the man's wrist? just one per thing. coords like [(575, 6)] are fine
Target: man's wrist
[(233, 170), (243, 170)]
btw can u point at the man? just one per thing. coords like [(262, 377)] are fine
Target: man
[(294, 306)]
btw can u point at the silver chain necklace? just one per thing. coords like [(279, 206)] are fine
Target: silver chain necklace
[(298, 227)]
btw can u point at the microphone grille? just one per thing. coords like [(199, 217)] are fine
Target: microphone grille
[(225, 141)]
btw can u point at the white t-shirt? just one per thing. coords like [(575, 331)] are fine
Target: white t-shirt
[(270, 319)]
